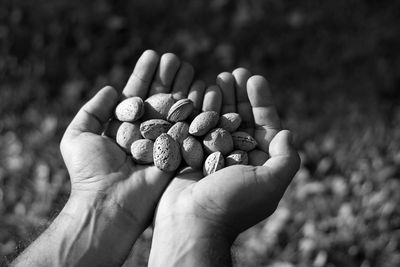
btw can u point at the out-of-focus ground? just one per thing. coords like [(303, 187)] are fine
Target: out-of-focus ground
[(334, 68)]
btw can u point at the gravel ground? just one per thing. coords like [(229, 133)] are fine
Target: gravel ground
[(334, 70)]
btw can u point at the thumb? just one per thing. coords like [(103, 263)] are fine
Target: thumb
[(284, 161), (95, 113)]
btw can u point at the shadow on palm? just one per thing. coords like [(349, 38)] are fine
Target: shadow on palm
[(98, 167), (237, 197)]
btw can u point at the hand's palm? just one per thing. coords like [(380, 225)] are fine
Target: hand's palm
[(237, 197), (97, 165), (97, 158), (234, 197)]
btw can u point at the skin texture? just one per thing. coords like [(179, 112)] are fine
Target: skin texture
[(112, 199), (197, 218), (213, 210)]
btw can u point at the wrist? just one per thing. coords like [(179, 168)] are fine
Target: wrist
[(81, 235), (90, 231), (100, 206), (190, 241), (99, 231)]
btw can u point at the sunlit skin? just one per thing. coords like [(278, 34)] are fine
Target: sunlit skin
[(113, 200), (216, 208), (98, 167)]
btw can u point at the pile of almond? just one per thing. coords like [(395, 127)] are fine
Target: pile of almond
[(161, 130)]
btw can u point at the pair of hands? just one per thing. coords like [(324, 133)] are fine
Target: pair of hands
[(196, 218)]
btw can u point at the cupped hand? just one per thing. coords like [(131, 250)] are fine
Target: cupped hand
[(235, 198), (102, 174)]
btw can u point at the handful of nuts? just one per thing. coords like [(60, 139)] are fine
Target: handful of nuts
[(158, 131)]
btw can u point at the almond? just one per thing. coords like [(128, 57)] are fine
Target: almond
[(130, 109), (218, 140), (181, 110), (179, 131), (192, 152), (213, 163), (151, 129), (166, 153), (203, 123), (142, 151), (243, 141), (230, 121), (157, 106), (127, 134), (237, 157)]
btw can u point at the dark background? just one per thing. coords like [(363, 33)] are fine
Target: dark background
[(334, 68)]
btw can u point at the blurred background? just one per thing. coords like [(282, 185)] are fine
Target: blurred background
[(334, 67)]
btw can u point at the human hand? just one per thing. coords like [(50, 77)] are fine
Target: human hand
[(100, 170), (198, 217), (112, 199), (98, 167)]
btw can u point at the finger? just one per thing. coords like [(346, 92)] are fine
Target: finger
[(283, 163), (242, 101), (95, 113), (266, 119), (196, 94), (212, 99), (142, 75), (226, 82), (270, 181), (165, 74), (183, 80)]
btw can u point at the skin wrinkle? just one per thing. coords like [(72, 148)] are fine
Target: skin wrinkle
[(93, 176), (88, 228), (104, 198), (67, 244), (206, 209), (130, 215), (157, 85), (140, 78), (110, 206), (253, 176), (91, 114)]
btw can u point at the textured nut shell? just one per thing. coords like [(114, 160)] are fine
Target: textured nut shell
[(130, 109), (166, 153), (157, 106), (152, 129), (218, 140), (203, 123), (112, 128), (243, 141), (237, 157), (179, 131), (192, 152), (257, 157), (127, 134), (142, 151), (230, 121), (180, 110), (213, 163)]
